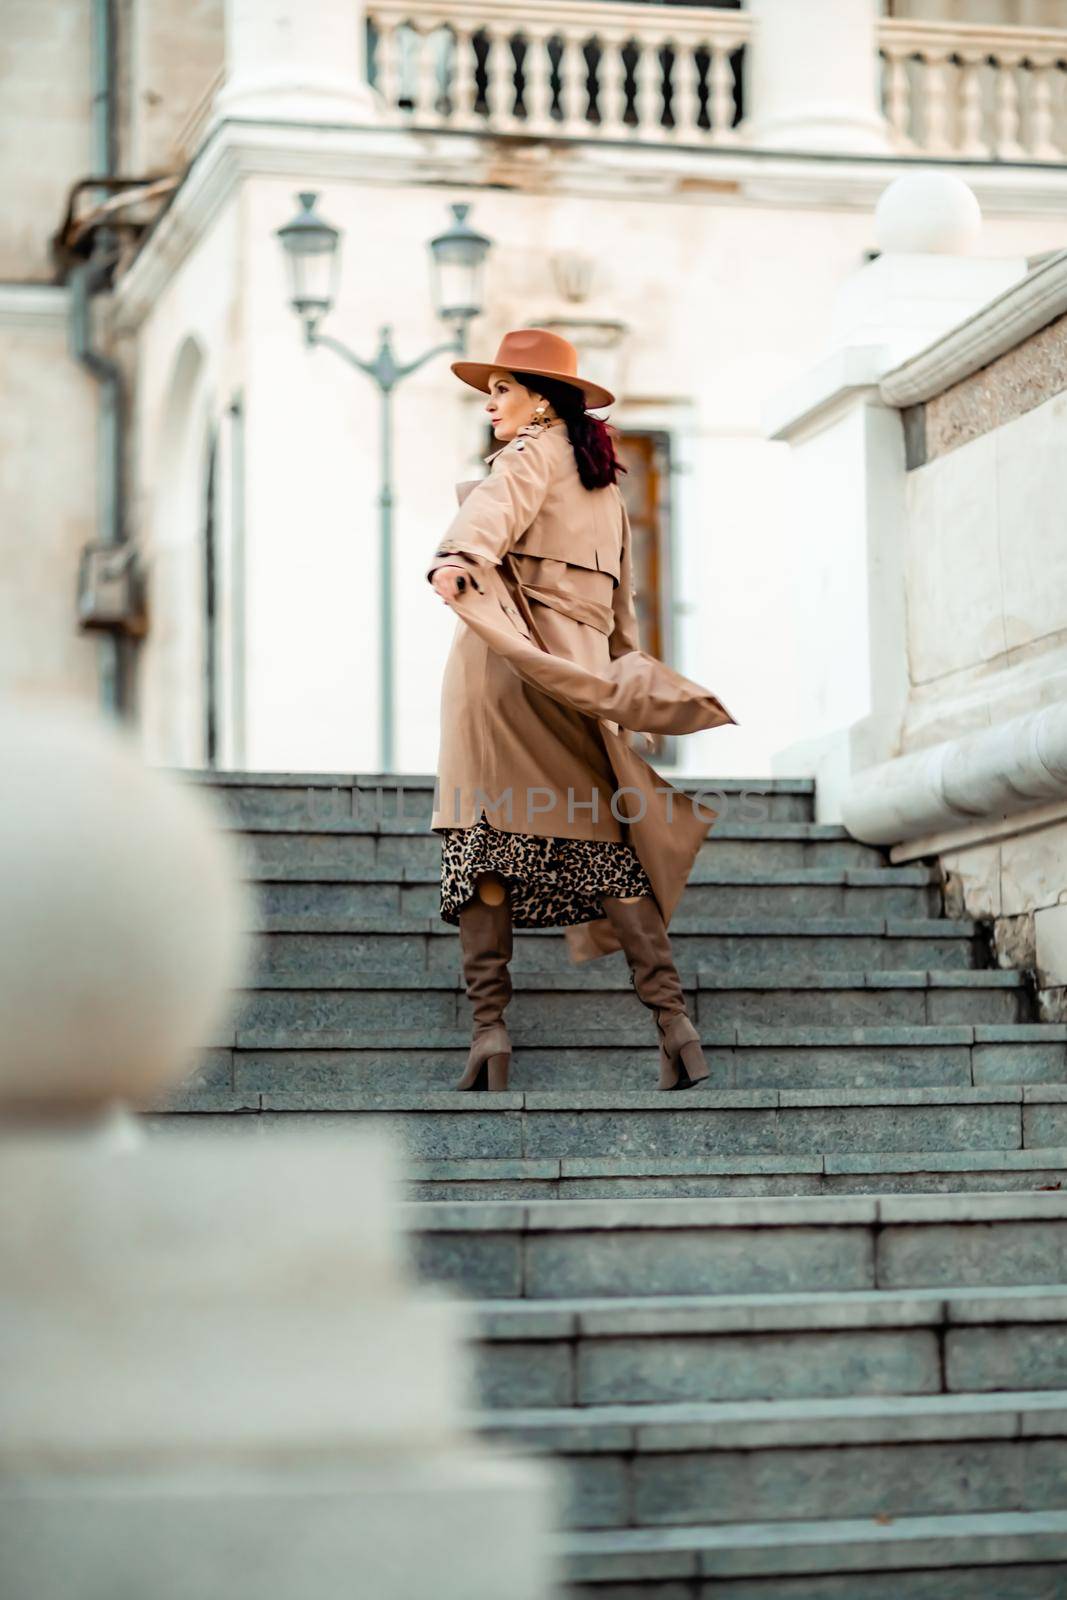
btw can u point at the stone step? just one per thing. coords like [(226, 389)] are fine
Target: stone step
[(648, 1466), (931, 996), (890, 1172), (339, 861), (705, 1122), (1004, 1555), (314, 801), (739, 945), (544, 1251), (292, 1040), (802, 892), (670, 1350), (337, 852)]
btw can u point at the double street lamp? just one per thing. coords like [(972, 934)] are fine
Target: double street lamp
[(457, 260)]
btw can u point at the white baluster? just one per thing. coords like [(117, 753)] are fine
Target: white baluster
[(721, 95), (1042, 142), (437, 45), (935, 105), (898, 99), (537, 91), (386, 62), (971, 142), (648, 92), (462, 87), (573, 94), (611, 84), (685, 87), (427, 83), (500, 78), (1008, 120)]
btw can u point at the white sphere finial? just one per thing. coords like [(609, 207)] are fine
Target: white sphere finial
[(928, 213), (125, 923)]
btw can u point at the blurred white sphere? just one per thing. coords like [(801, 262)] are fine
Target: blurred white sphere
[(927, 213), (125, 923)]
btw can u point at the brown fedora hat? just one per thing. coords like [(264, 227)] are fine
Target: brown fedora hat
[(538, 352)]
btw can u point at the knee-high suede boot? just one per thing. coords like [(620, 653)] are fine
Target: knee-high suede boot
[(640, 929), (485, 934)]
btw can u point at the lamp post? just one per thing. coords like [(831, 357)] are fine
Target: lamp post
[(457, 260)]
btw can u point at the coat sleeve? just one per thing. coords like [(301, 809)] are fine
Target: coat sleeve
[(623, 636), (499, 509)]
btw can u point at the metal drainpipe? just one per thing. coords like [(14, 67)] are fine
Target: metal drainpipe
[(86, 280)]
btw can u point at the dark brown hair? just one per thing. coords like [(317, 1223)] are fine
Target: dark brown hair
[(592, 439)]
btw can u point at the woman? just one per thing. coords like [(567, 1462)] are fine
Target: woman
[(543, 674)]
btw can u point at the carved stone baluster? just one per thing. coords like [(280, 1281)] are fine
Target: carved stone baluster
[(1008, 119), (971, 141), (611, 84), (685, 86), (462, 88), (935, 104), (573, 93), (386, 62), (500, 78), (1042, 142), (721, 95), (648, 88), (427, 84), (537, 91), (898, 98)]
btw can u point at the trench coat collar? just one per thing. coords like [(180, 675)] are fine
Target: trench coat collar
[(555, 422)]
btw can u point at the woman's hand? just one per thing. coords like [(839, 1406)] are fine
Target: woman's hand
[(450, 581)]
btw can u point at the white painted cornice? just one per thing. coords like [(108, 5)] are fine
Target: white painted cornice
[(999, 772), (1004, 323), (34, 305), (391, 157)]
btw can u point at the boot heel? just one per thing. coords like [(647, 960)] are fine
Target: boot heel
[(692, 1068), (681, 1058), (488, 1049), (498, 1072)]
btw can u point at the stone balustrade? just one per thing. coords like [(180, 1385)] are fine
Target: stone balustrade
[(688, 75), (980, 93), (648, 72)]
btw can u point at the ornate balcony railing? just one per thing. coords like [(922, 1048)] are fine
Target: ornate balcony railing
[(673, 74), (982, 93), (564, 67)]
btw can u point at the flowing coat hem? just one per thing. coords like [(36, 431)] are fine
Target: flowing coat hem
[(636, 692)]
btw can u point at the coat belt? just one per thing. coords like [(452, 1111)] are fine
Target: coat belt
[(591, 612)]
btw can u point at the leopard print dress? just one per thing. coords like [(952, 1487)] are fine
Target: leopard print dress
[(552, 882)]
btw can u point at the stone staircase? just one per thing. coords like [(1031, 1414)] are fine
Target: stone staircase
[(791, 1336)]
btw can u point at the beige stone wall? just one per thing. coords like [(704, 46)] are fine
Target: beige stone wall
[(44, 126), (47, 497), (172, 51), (169, 53)]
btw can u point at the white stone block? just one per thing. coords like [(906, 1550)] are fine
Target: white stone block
[(1050, 931), (218, 1379), (906, 301)]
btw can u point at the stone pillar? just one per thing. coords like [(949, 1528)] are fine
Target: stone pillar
[(219, 1375), (812, 76), (849, 473), (296, 60)]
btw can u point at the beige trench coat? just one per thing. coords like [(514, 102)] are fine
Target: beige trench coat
[(545, 673)]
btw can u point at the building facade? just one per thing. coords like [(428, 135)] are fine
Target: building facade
[(685, 191)]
